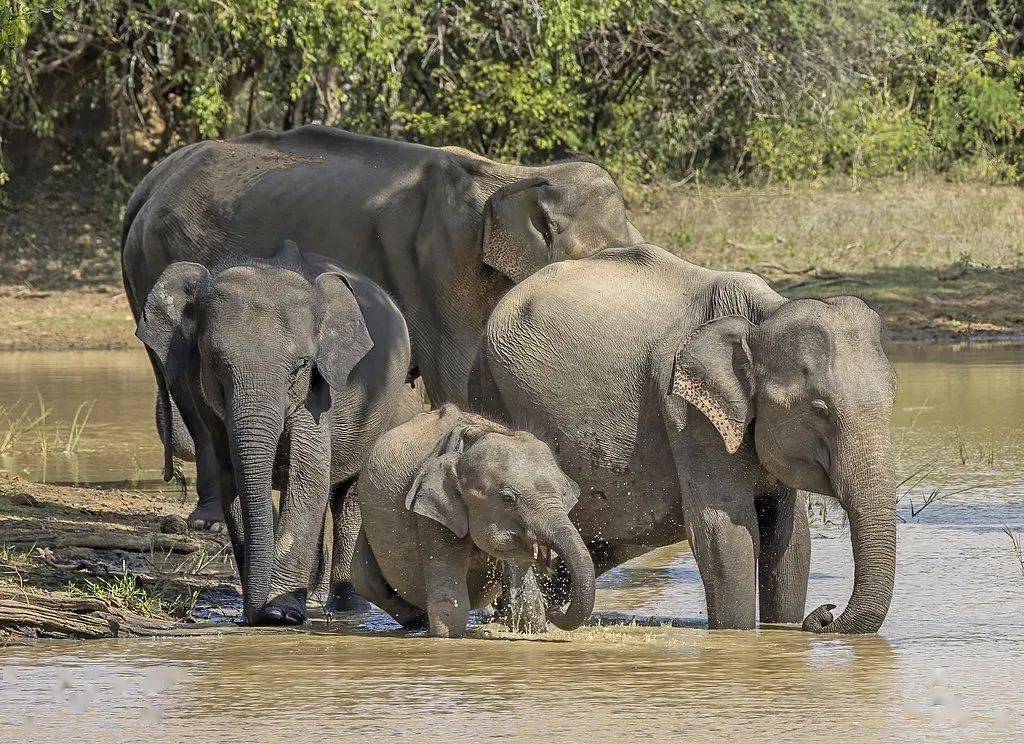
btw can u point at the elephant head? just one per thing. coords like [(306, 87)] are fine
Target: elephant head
[(569, 210), (256, 342), (505, 490), (813, 379)]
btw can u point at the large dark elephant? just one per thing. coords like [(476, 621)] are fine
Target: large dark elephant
[(445, 232), (691, 404), (294, 365)]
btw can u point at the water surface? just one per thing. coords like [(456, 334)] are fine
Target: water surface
[(947, 665)]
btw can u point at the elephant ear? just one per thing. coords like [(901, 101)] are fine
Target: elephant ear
[(435, 491), (712, 372), (516, 237), (571, 494), (343, 339), (167, 325)]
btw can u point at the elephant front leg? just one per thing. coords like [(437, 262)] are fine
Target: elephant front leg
[(724, 539), (784, 560), (445, 570), (209, 513), (299, 528)]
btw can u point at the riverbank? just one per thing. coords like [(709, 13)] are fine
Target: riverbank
[(939, 260), (91, 563)]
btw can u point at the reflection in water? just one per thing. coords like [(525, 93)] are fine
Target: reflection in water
[(947, 665)]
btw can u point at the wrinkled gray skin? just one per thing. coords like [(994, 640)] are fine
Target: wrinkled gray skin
[(294, 366), (445, 232), (691, 404), (443, 498)]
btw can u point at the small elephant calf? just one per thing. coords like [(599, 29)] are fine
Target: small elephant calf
[(444, 497)]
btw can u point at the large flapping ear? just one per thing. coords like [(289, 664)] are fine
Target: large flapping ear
[(343, 338), (168, 321), (712, 372), (435, 491), (516, 238)]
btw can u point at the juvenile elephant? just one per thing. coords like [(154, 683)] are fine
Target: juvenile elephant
[(294, 366), (445, 232), (691, 404), (443, 498)]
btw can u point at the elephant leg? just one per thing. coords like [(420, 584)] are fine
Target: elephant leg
[(185, 433), (368, 580), (723, 534), (345, 526), (784, 560), (299, 528), (219, 469), (521, 607), (445, 576), (209, 513)]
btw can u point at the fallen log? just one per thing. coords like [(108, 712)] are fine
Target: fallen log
[(102, 540), (61, 616)]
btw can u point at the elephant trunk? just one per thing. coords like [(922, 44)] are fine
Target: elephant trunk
[(255, 424), (567, 542), (865, 485)]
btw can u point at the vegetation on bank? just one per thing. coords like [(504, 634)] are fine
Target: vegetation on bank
[(778, 90), (850, 145), (937, 258), (90, 562)]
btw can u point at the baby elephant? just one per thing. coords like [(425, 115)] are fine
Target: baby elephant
[(295, 366), (443, 498)]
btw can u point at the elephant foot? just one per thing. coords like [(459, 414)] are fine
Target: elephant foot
[(207, 516), (286, 609), (343, 598)]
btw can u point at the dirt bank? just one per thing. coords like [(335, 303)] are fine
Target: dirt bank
[(87, 563), (84, 318), (940, 260)]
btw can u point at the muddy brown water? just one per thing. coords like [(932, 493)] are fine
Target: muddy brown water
[(947, 665)]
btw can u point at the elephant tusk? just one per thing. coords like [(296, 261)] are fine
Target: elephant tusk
[(536, 550)]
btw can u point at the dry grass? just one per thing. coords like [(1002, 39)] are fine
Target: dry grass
[(935, 257), (84, 318)]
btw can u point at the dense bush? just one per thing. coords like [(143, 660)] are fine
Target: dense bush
[(784, 89)]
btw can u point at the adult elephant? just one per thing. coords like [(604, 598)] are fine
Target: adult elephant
[(444, 231), (691, 404)]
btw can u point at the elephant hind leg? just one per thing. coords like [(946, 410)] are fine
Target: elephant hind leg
[(784, 558), (370, 583), (341, 531)]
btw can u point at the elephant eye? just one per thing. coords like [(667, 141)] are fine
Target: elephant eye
[(508, 496), (820, 407)]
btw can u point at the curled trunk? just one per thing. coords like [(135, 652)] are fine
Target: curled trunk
[(866, 489), (567, 542)]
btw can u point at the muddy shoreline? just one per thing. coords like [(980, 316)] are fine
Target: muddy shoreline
[(97, 563), (98, 318)]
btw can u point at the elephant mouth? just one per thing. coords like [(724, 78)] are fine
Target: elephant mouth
[(544, 556)]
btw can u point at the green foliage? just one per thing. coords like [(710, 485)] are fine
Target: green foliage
[(783, 90)]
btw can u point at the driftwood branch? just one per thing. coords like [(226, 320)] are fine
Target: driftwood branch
[(58, 616)]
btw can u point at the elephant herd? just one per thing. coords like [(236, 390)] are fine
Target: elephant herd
[(595, 397)]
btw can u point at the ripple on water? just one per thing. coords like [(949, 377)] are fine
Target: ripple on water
[(947, 665)]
